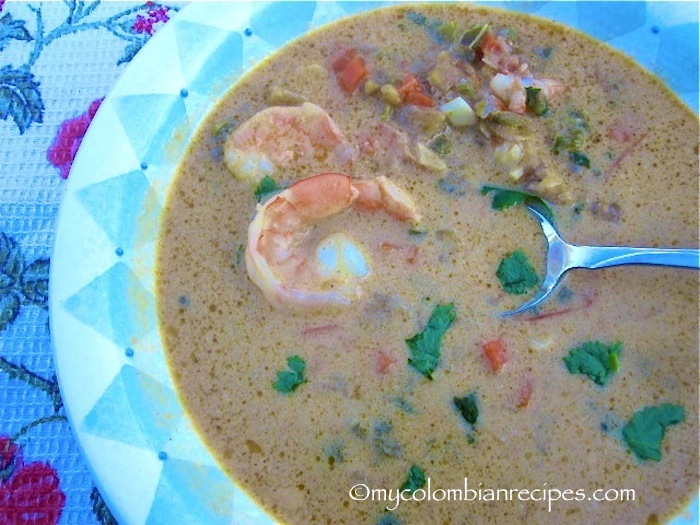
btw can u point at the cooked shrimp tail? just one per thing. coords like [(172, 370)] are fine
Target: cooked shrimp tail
[(279, 259), (283, 136)]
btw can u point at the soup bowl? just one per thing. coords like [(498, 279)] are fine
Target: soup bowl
[(140, 444)]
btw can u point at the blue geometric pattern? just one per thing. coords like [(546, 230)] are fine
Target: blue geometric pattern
[(279, 22), (681, 74), (608, 27), (197, 55), (116, 305), (144, 116), (226, 54), (147, 422), (175, 505), (225, 59), (120, 205)]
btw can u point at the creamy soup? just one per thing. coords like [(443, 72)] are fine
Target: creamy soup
[(345, 232)]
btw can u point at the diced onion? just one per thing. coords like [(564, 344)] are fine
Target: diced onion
[(543, 344), (459, 112)]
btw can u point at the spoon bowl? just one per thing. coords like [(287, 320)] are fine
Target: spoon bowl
[(562, 257)]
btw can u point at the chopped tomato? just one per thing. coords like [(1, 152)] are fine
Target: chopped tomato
[(383, 362), (350, 70), (410, 252), (412, 92), (524, 394), (339, 63), (587, 299), (495, 353), (416, 98), (412, 255), (490, 44), (320, 330), (410, 83)]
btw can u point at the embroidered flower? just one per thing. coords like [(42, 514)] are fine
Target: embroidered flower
[(147, 24), (28, 493), (62, 152)]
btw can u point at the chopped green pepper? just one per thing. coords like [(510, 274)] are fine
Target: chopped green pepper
[(536, 101)]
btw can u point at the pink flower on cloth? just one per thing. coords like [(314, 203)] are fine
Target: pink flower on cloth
[(146, 24), (29, 494), (62, 152)]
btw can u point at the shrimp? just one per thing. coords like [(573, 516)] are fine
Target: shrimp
[(510, 89), (512, 74), (390, 147), (279, 259), (282, 136)]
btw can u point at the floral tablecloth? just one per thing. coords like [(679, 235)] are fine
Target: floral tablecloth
[(57, 62)]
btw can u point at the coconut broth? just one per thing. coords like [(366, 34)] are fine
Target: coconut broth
[(364, 416)]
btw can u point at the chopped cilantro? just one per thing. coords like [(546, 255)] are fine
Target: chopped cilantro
[(560, 143), (543, 52), (572, 140), (383, 442), (453, 184), (504, 198), (579, 159), (645, 431), (403, 405), (425, 346), (448, 31), (417, 18), (221, 130), (388, 519), (238, 254), (441, 145), (432, 26), (471, 38), (536, 101), (594, 359), (468, 407), (335, 453), (516, 274), (289, 380), (415, 479), (266, 188)]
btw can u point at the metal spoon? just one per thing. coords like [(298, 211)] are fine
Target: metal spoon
[(562, 257)]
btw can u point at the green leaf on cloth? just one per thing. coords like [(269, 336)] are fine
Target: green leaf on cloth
[(12, 30), (20, 98), (100, 509), (9, 309), (130, 51), (11, 262), (35, 283)]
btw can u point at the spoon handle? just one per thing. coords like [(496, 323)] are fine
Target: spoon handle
[(593, 257)]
